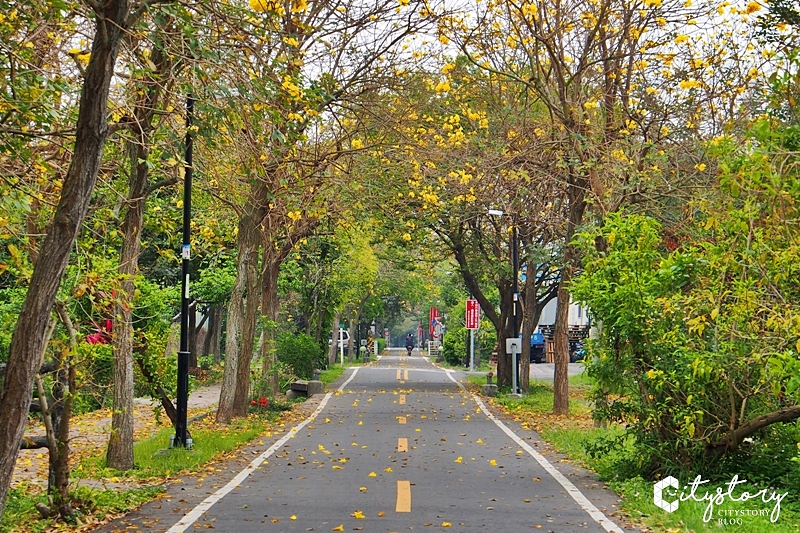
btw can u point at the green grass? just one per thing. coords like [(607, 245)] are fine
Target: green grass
[(154, 459), (477, 380), (20, 515), (331, 374)]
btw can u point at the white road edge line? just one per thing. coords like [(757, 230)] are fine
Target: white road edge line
[(355, 371), (571, 489), (209, 502)]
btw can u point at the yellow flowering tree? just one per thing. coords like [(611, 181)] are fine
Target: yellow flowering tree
[(293, 130), (627, 88)]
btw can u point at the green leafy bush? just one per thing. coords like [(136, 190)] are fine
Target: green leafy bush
[(690, 340), (454, 346), (301, 352)]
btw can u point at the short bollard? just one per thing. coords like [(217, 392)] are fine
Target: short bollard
[(490, 389)]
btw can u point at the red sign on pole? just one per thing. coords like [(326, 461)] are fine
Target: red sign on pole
[(433, 318), (473, 314)]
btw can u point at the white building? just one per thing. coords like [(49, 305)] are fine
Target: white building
[(577, 314)]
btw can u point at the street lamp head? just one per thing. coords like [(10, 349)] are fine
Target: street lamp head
[(496, 212)]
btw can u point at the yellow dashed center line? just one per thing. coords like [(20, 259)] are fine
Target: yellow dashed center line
[(399, 374), (401, 419), (403, 497), (402, 399), (402, 444), (405, 374)]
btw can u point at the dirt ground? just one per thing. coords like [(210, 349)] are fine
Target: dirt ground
[(89, 433)]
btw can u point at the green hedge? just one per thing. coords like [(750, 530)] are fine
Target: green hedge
[(301, 352)]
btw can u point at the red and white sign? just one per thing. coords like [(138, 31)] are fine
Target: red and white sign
[(433, 319), (473, 314)]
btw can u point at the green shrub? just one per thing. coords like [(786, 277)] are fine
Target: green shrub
[(685, 353), (301, 352), (454, 346)]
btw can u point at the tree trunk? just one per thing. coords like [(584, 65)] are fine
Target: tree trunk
[(526, 330), (350, 345), (577, 205), (561, 338), (241, 399), (270, 307), (318, 326), (216, 339), (211, 342), (504, 360), (333, 351), (234, 330), (28, 340), (59, 466), (192, 335), (120, 443), (534, 303)]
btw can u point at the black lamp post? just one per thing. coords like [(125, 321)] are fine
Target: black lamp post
[(181, 430)]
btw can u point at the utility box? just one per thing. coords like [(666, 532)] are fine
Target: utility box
[(513, 346)]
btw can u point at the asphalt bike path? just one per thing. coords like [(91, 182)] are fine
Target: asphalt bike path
[(399, 446)]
